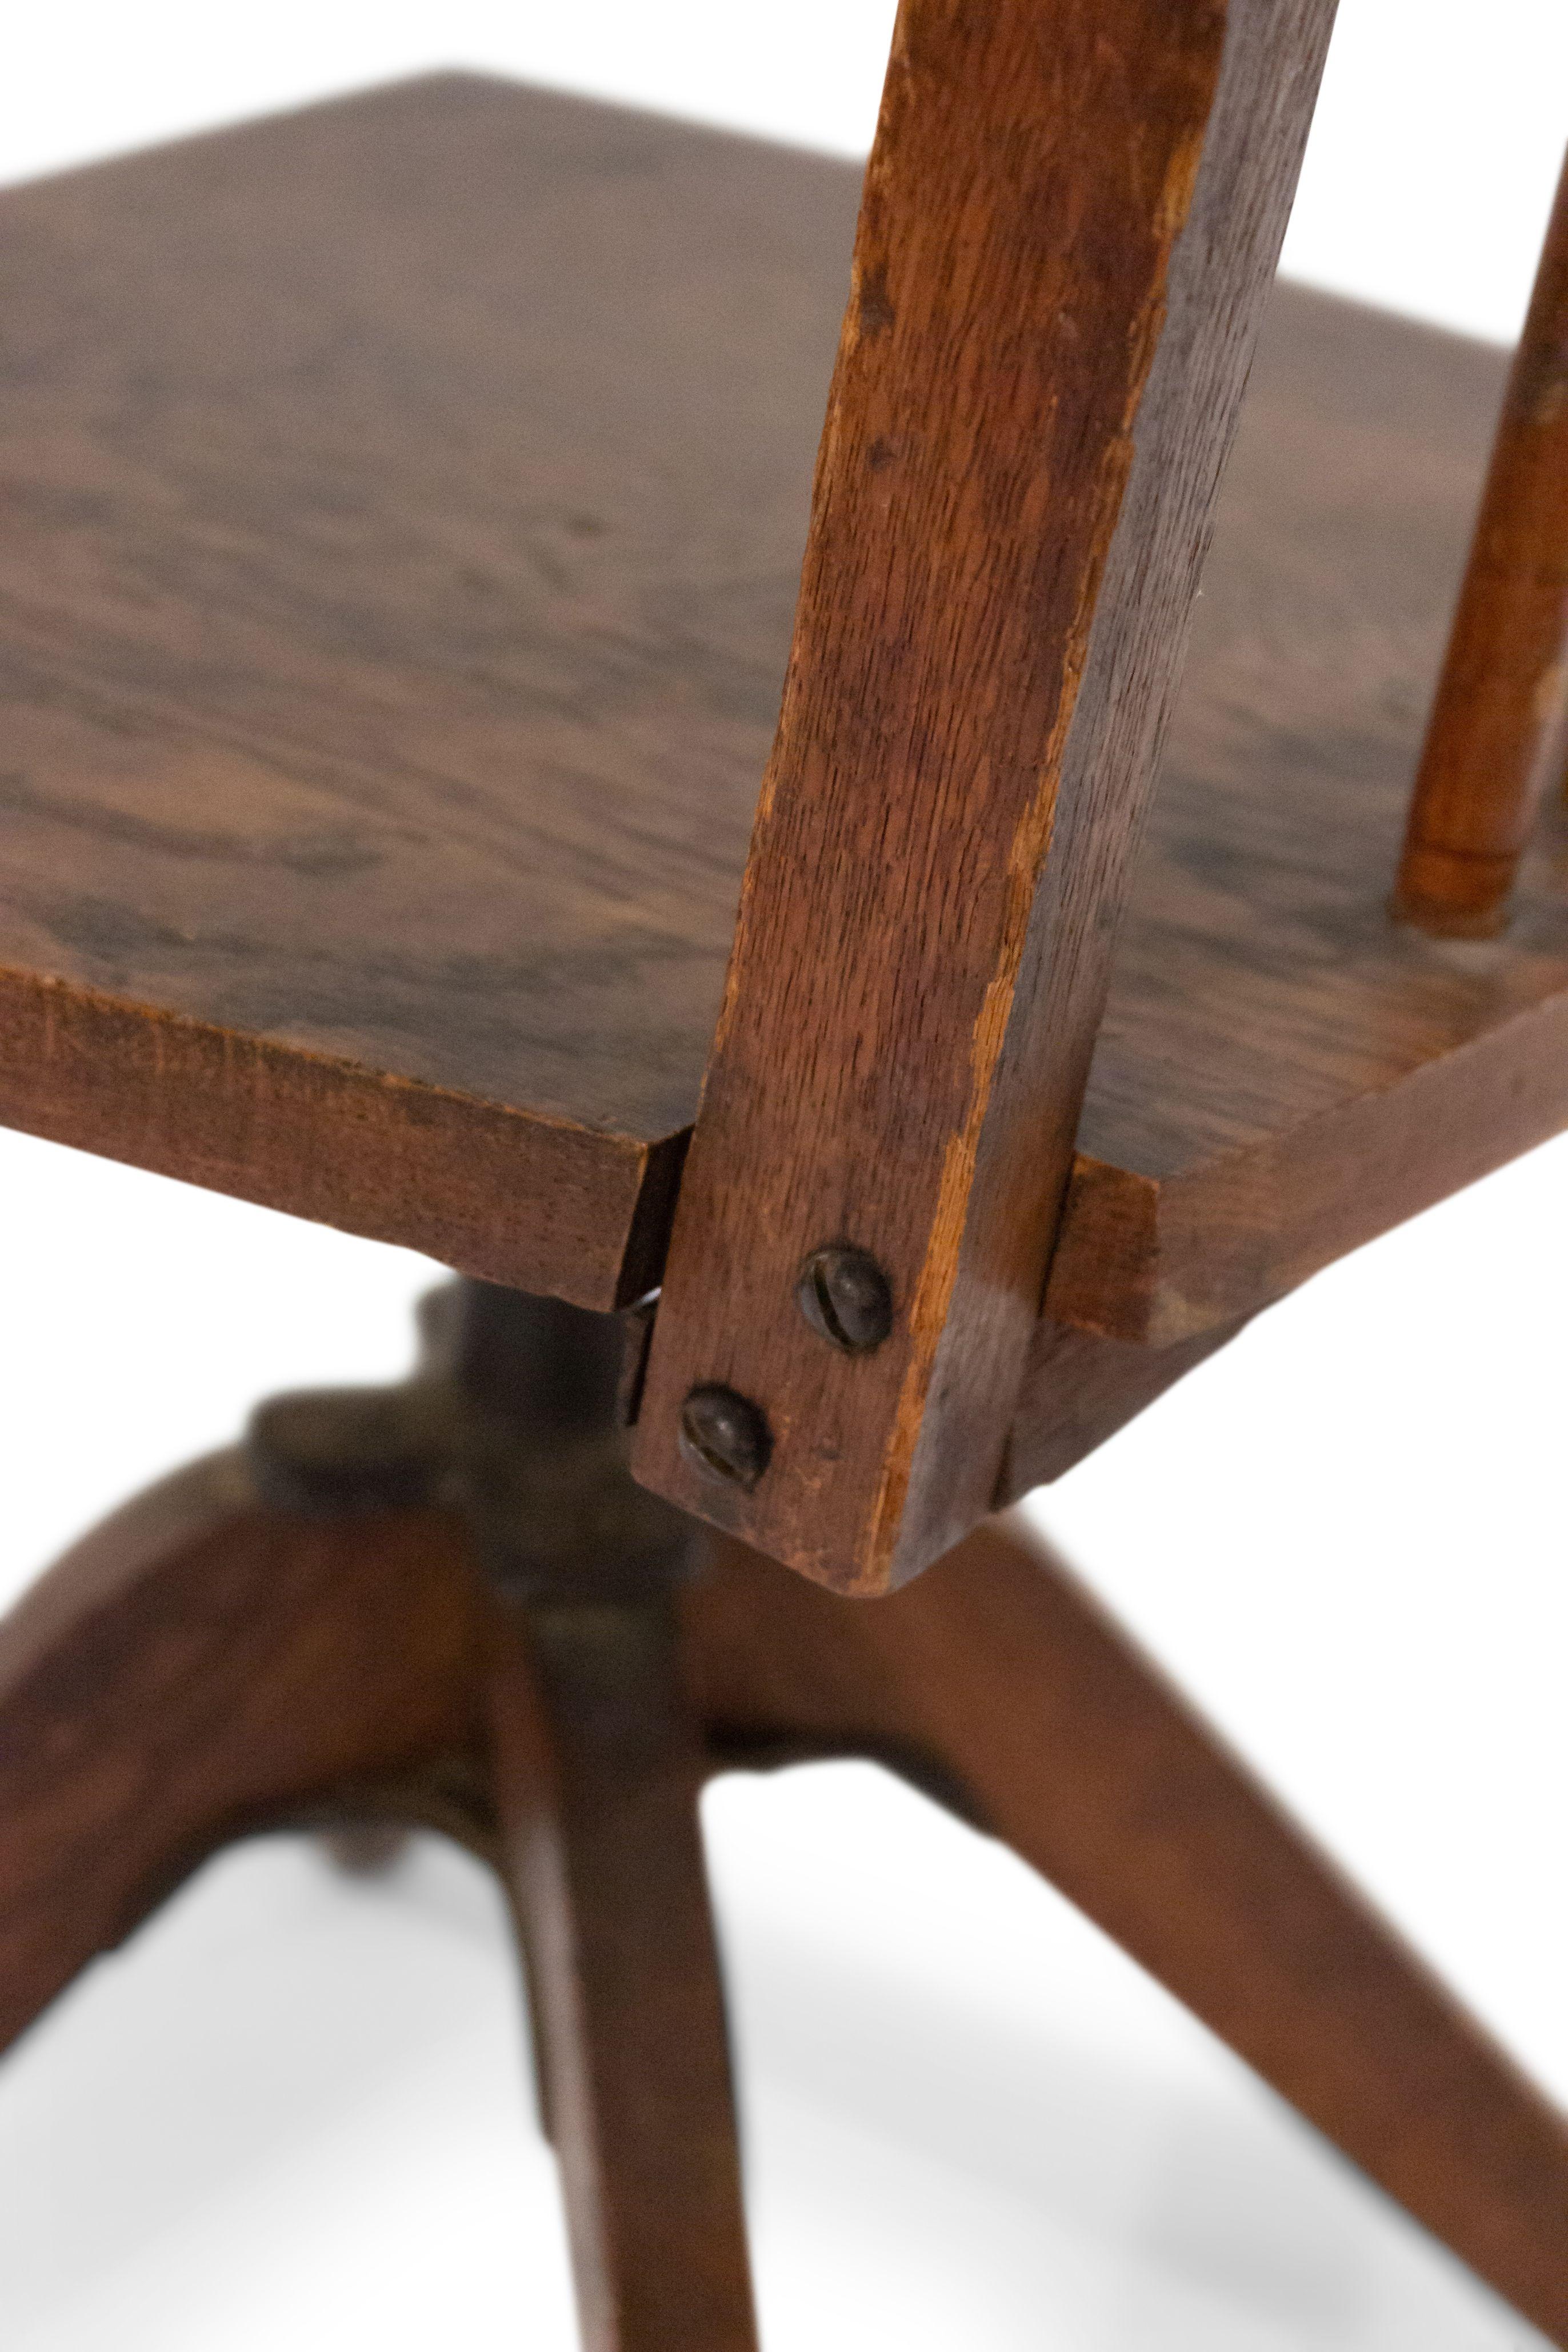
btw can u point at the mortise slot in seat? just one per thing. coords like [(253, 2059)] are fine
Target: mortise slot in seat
[(403, 506)]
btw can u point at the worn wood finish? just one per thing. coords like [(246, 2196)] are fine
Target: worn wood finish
[(596, 1769), (1497, 724), (1079, 1388), (370, 836), (197, 1669), (1071, 217), (1283, 1073), (403, 512), (485, 1186), (997, 1677)]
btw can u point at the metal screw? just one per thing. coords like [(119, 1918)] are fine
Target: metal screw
[(844, 1297), (724, 1435)]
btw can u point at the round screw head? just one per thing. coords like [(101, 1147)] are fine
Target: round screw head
[(844, 1297), (724, 1435)]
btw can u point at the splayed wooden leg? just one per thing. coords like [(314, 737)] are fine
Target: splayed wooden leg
[(200, 1667), (995, 1679), (596, 1771)]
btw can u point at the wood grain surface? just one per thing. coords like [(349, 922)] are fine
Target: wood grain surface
[(1498, 730), (403, 507), (1283, 1071), (1072, 220), (370, 832)]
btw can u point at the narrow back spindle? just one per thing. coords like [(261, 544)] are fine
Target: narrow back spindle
[(1497, 724)]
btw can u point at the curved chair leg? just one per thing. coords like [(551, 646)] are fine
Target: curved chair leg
[(996, 1672), (206, 1665), (597, 1768), (295, 1632), (198, 1667)]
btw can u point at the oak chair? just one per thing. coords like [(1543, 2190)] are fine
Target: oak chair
[(406, 511)]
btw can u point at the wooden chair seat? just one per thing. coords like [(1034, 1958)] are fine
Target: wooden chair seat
[(405, 506), (406, 510)]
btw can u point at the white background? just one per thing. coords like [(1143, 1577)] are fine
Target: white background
[(293, 2112)]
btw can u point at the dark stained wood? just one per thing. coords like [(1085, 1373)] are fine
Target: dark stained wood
[(204, 1666), (369, 843), (997, 1677), (197, 1669), (1498, 725), (484, 1186), (1079, 1388), (597, 1769), (201, 1667), (1072, 215), (1283, 1073), (403, 507)]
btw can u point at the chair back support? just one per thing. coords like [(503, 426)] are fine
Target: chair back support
[(1071, 217), (1498, 728)]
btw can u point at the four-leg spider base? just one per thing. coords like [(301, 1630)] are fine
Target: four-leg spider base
[(449, 1605)]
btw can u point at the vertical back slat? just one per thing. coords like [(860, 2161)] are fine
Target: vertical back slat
[(1071, 216), (1497, 717)]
